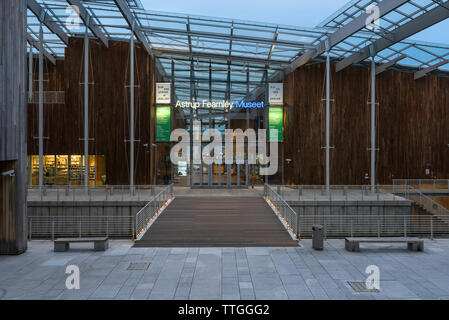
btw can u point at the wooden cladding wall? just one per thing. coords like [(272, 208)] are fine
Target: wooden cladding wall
[(412, 131), (108, 108), (13, 121)]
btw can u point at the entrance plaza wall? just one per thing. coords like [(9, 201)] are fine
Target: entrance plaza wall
[(412, 134), (412, 126)]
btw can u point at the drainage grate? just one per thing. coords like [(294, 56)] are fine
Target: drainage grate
[(360, 287), (138, 266)]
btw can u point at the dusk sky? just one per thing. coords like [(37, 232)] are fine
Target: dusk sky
[(301, 13)]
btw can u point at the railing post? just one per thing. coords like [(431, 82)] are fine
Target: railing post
[(52, 228), (107, 226), (325, 227), (378, 227), (405, 227), (133, 227), (30, 223), (352, 227), (431, 227), (297, 226), (80, 227)]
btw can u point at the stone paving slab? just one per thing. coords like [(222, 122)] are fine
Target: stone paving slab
[(227, 273)]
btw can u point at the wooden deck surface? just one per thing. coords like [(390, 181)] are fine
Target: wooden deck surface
[(217, 222)]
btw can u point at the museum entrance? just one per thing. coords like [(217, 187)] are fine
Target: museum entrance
[(212, 95)]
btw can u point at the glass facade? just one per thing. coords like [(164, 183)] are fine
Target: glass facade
[(67, 170)]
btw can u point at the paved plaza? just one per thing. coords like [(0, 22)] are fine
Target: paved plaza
[(226, 273)]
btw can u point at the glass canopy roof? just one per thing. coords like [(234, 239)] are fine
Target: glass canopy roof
[(418, 55), (231, 48)]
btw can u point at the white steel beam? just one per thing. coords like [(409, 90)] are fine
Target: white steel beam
[(345, 32), (35, 43), (422, 73), (88, 21), (389, 64), (42, 16), (408, 29), (132, 22)]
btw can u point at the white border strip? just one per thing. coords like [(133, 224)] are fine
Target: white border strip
[(280, 219), (154, 218)]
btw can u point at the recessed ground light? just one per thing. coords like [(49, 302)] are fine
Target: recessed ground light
[(138, 266)]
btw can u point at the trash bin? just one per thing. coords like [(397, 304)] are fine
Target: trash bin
[(317, 237)]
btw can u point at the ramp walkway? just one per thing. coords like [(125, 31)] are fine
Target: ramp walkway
[(217, 221)]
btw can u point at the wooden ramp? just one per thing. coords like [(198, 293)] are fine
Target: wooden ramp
[(217, 222)]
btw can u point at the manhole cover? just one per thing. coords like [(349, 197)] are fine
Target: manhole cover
[(138, 265), (360, 287)]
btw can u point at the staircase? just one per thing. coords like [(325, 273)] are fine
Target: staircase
[(217, 222)]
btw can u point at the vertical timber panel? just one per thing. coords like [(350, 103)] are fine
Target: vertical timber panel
[(13, 237)]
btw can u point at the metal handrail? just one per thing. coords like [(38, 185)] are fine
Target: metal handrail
[(425, 201), (149, 213), (428, 185), (283, 209), (57, 226), (382, 225), (93, 193), (385, 225), (336, 192)]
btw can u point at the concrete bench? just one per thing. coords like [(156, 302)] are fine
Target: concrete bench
[(413, 244), (63, 244)]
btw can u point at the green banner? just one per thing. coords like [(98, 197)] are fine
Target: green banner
[(163, 124), (276, 121)]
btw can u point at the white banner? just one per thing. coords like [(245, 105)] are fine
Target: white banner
[(163, 93), (275, 94)]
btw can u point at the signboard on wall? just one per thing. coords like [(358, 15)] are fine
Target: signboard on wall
[(163, 124), (276, 121), (275, 94), (163, 93)]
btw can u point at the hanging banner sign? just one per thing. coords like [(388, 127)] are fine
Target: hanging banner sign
[(163, 93), (225, 104), (276, 121), (275, 94), (163, 124)]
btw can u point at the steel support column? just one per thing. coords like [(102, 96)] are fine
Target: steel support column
[(41, 108), (172, 108), (265, 121), (192, 88), (373, 124), (228, 98), (30, 73), (86, 109), (247, 128), (210, 167), (328, 102), (131, 114)]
